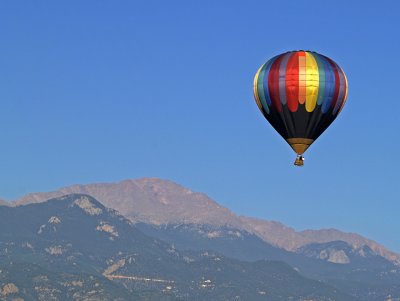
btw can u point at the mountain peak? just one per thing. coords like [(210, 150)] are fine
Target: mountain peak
[(87, 204), (149, 200)]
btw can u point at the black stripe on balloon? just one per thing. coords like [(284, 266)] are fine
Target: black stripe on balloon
[(300, 124)]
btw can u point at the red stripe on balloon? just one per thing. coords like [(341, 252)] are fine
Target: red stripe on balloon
[(292, 82), (273, 84)]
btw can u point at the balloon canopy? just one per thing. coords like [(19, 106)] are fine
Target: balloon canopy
[(300, 93)]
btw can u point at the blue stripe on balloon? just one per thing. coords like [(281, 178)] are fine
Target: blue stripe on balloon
[(260, 89), (329, 85), (321, 72)]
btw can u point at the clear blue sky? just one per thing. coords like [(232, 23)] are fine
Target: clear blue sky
[(100, 91)]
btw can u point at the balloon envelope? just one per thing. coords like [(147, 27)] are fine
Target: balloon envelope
[(300, 93)]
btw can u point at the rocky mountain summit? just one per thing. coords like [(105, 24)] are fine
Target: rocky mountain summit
[(151, 201), (162, 202), (336, 252)]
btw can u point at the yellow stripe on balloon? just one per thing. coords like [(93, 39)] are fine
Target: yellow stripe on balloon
[(255, 89), (312, 82), (302, 77)]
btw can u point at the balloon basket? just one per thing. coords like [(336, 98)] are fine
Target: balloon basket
[(299, 161)]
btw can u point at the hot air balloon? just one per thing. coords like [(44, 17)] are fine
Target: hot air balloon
[(300, 93)]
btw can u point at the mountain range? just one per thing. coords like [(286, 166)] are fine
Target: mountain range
[(162, 202), (191, 224)]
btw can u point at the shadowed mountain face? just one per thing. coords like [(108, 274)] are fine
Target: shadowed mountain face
[(73, 248), (161, 202), (359, 272)]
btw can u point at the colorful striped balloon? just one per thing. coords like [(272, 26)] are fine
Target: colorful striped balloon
[(300, 93)]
